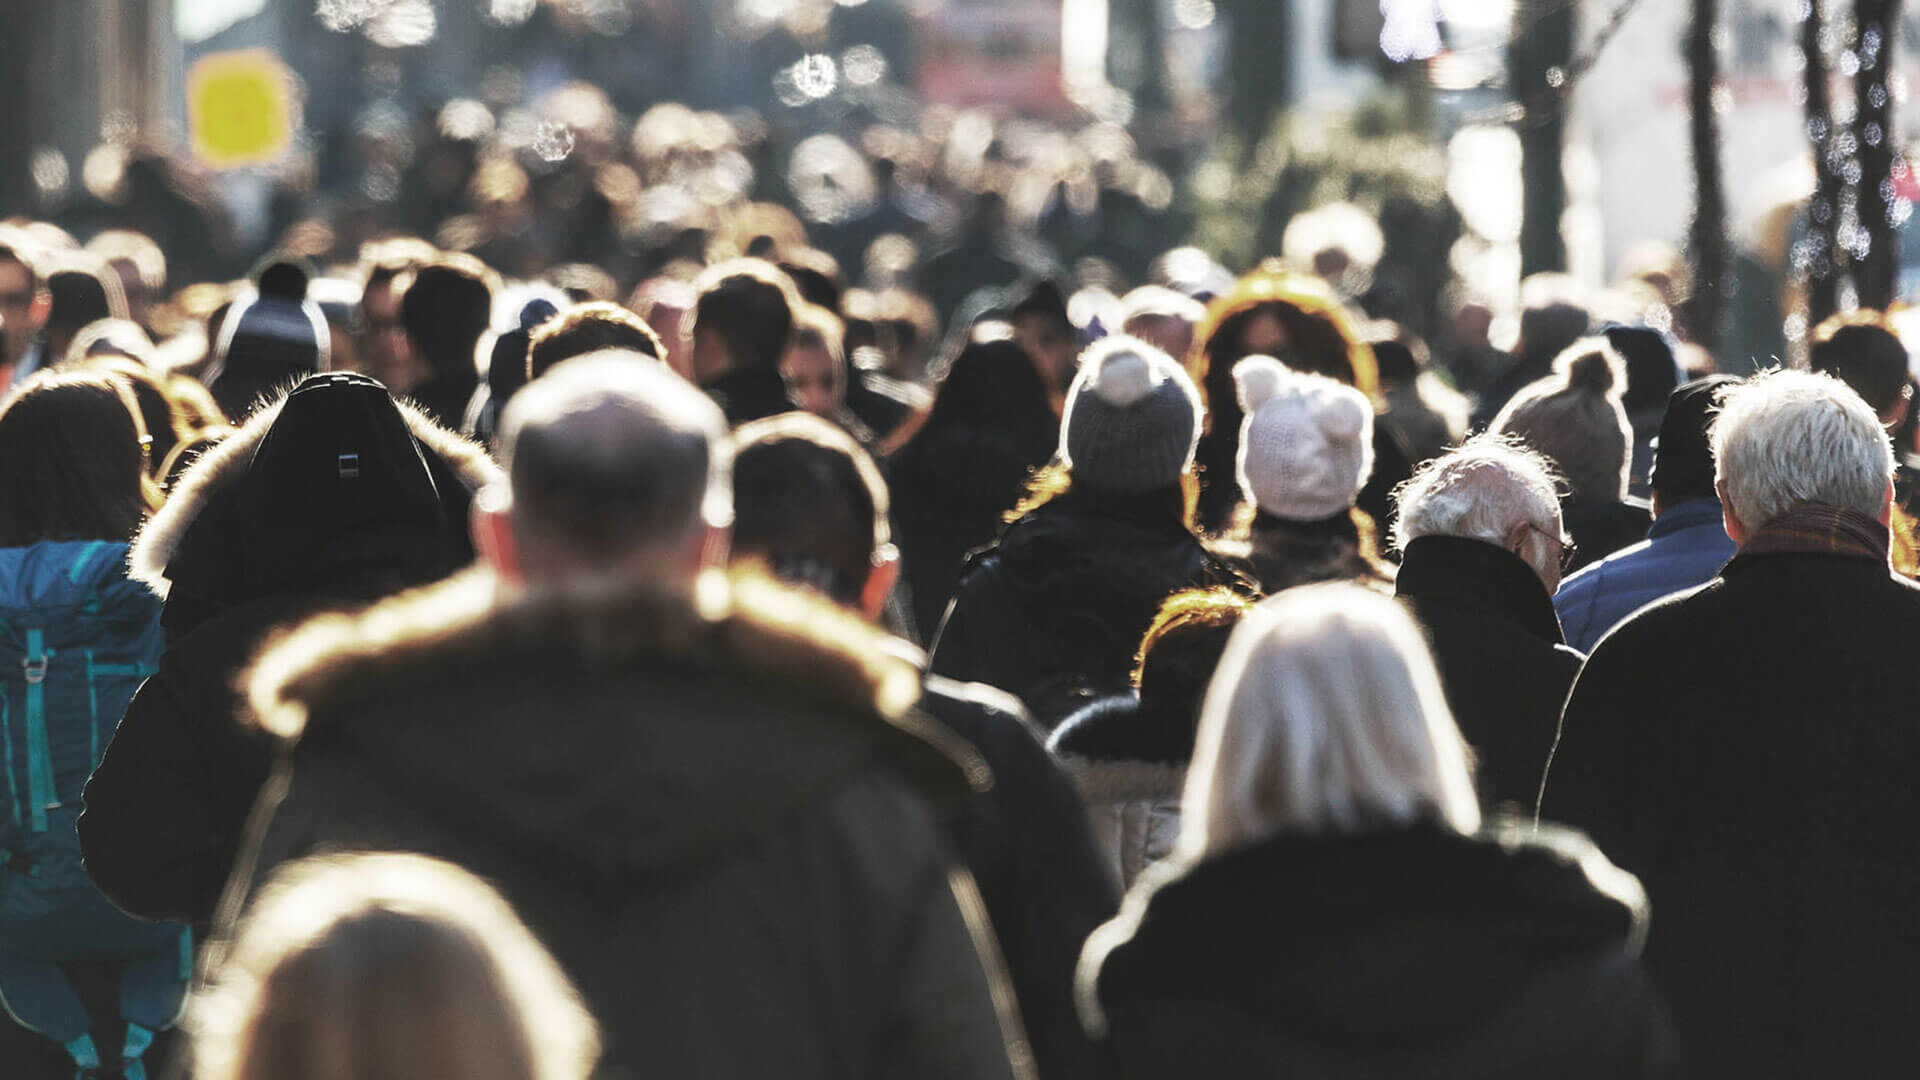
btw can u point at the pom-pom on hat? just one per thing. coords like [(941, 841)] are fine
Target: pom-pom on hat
[(1306, 446), (1132, 418)]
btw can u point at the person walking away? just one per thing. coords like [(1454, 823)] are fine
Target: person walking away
[(1054, 611), (1575, 418), (1306, 451), (388, 967), (1761, 785), (1481, 556), (76, 638), (711, 798), (329, 499), (1338, 909), (1687, 545)]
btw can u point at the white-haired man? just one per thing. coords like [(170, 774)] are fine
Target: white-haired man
[(1748, 748), (711, 800), (1480, 533)]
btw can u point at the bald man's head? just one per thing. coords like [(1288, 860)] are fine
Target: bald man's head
[(615, 469)]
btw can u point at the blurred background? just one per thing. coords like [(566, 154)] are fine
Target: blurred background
[(1437, 150)]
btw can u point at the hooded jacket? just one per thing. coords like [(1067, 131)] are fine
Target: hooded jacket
[(265, 529), (723, 818), (1054, 612), (1411, 952)]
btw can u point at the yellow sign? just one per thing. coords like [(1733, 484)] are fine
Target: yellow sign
[(240, 108)]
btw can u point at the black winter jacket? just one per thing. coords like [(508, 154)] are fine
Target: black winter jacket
[(1027, 844), (1749, 750), (166, 806), (1413, 952), (951, 488), (1054, 612), (1502, 661), (728, 830), (746, 395)]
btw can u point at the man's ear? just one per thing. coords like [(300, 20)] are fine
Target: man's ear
[(880, 583), (492, 527), (38, 311), (1517, 540), (1736, 530)]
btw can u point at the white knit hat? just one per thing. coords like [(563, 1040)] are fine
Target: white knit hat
[(1306, 447)]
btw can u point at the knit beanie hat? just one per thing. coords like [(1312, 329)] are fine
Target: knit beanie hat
[(1132, 418), (1306, 446), (269, 341)]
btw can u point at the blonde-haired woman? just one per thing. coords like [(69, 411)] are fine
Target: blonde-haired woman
[(1337, 908), (388, 967)]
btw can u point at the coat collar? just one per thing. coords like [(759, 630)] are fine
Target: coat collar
[(1692, 514), (1459, 572)]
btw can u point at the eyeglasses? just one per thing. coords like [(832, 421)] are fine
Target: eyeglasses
[(1568, 552)]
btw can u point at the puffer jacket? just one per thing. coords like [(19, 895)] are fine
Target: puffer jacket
[(1055, 611), (1130, 764), (262, 532)]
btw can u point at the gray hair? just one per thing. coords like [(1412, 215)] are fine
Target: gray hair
[(1783, 438), (612, 453), (1480, 491), (1326, 715)]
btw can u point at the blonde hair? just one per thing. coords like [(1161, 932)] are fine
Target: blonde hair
[(1326, 715), (388, 967)]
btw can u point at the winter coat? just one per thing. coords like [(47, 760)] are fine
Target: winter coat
[(1130, 763), (951, 487), (1027, 845), (251, 544), (1502, 661), (726, 826), (1600, 528), (1412, 952), (953, 482), (1279, 554), (1686, 547), (745, 395), (1748, 749), (1054, 612)]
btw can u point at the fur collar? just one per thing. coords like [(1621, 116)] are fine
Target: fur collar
[(227, 462), (745, 627), (1103, 783)]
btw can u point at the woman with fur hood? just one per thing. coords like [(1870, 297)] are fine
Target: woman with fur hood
[(1336, 909), (1054, 611), (330, 499)]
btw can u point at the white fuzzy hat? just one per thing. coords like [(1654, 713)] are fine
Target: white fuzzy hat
[(1306, 446)]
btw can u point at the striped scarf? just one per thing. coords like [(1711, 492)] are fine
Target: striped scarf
[(1814, 529)]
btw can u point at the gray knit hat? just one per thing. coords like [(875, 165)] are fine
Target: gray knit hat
[(1132, 418)]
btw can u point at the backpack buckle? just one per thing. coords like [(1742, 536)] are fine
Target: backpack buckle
[(36, 669)]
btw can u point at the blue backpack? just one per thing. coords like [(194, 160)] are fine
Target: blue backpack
[(77, 637)]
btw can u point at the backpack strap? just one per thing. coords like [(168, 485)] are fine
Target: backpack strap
[(40, 794), (6, 740)]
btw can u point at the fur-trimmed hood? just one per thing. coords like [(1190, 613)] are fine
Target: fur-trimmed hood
[(594, 724), (240, 524)]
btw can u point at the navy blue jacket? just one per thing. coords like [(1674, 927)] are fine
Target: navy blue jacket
[(1686, 547)]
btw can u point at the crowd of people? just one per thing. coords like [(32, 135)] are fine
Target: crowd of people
[(746, 663)]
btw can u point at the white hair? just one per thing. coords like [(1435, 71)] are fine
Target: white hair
[(1783, 438), (1326, 715), (1479, 490)]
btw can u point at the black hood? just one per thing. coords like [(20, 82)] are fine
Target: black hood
[(335, 485), (1388, 941)]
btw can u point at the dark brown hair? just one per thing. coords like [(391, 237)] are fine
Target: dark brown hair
[(72, 463), (586, 328), (809, 503)]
